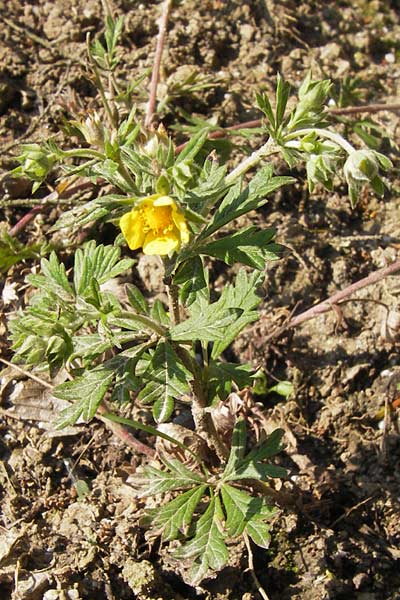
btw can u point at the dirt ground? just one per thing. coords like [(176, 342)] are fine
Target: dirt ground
[(341, 539)]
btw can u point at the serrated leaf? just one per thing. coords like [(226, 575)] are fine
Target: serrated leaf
[(238, 448), (241, 509), (207, 548), (208, 326), (136, 299), (248, 246), (282, 96), (237, 202), (97, 262), (193, 279), (53, 278), (221, 375), (241, 296), (193, 147), (259, 533), (167, 379), (86, 391), (176, 516), (268, 448), (154, 481), (257, 470), (158, 313)]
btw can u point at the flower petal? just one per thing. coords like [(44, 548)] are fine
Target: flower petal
[(164, 201), (160, 245), (180, 223), (132, 228)]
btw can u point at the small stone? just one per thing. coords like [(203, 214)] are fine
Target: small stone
[(330, 52), (246, 32)]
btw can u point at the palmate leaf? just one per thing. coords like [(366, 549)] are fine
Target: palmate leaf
[(177, 515), (53, 278), (207, 548), (246, 513), (221, 375), (167, 379), (249, 247)]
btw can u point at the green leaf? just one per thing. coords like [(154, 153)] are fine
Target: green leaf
[(265, 105), (241, 466), (86, 392), (53, 278), (193, 147), (259, 533), (221, 375), (268, 448), (241, 296), (207, 548), (136, 299), (238, 448), (282, 96), (158, 313), (237, 202), (97, 262), (240, 507), (208, 326), (154, 481), (176, 516), (167, 379), (193, 279), (12, 251), (248, 246)]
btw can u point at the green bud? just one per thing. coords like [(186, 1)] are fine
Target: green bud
[(361, 166), (35, 162)]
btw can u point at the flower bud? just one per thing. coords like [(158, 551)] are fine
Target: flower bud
[(361, 166)]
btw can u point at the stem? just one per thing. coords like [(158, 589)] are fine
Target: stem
[(146, 322), (204, 424), (123, 434), (173, 300), (257, 583), (340, 296), (157, 63), (266, 150), (324, 133)]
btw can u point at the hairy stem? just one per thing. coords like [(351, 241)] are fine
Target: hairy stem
[(251, 161), (151, 106), (204, 424), (324, 133)]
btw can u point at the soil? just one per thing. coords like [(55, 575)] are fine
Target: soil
[(69, 518)]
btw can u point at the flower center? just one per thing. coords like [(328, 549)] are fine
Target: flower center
[(157, 219)]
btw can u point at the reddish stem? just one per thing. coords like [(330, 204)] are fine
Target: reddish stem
[(151, 107), (338, 297)]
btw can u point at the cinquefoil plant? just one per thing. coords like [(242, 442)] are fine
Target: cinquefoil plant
[(181, 207)]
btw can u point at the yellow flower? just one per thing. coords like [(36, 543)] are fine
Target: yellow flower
[(156, 225)]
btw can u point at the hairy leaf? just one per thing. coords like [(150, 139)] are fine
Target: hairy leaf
[(86, 391), (237, 202), (176, 516), (153, 481), (207, 548), (247, 246), (167, 379), (208, 326)]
